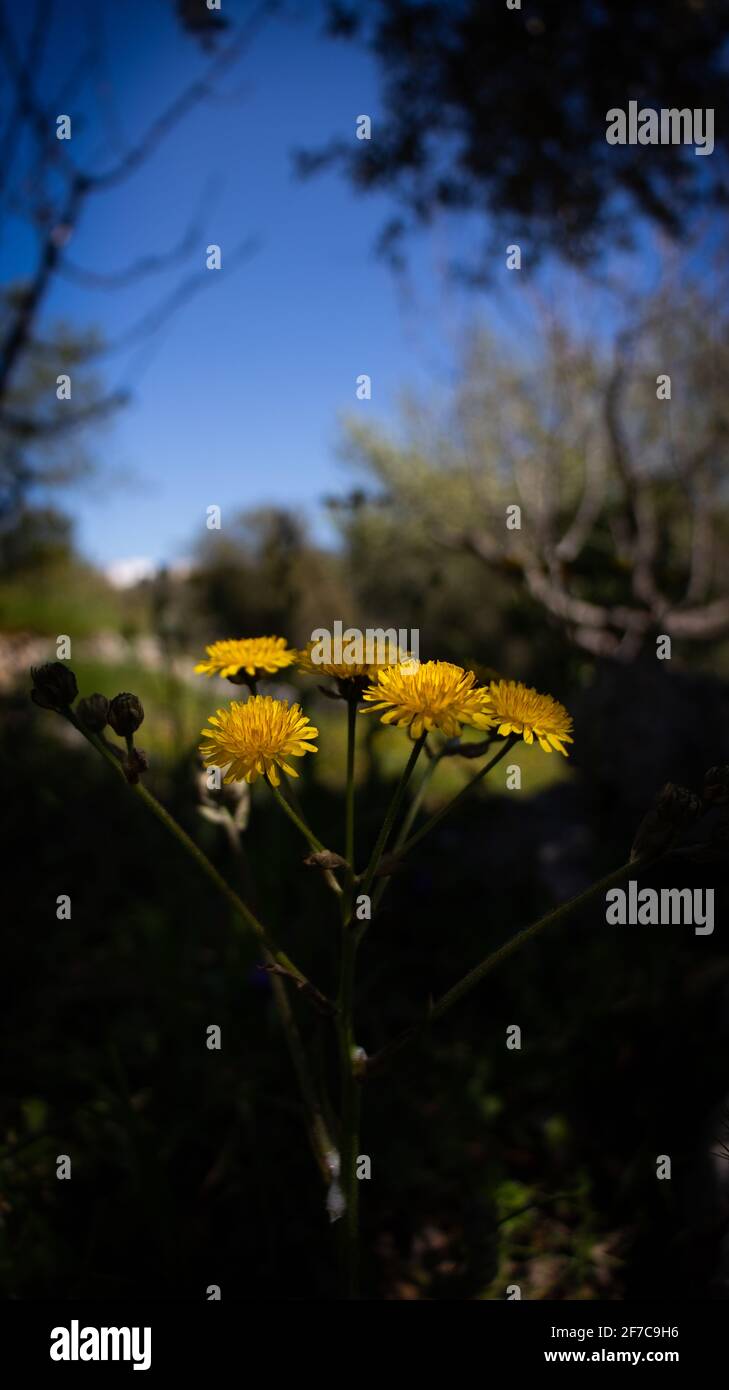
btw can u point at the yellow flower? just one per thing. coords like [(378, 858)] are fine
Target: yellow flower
[(255, 655), (519, 709), (434, 695), (255, 738), (341, 670)]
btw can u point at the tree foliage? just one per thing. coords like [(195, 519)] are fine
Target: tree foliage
[(501, 111), (621, 515)]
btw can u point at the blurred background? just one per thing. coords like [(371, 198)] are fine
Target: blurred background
[(497, 380)]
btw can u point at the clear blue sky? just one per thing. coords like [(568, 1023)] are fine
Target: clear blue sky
[(237, 400)]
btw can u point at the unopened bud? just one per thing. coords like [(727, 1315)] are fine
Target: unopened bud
[(93, 711), (716, 785), (677, 805), (673, 810), (125, 714), (54, 686)]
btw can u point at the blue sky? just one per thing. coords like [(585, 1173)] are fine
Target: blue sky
[(238, 400)]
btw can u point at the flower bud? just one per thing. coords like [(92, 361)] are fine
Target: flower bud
[(54, 686), (93, 711), (716, 785), (673, 810), (125, 714), (677, 805)]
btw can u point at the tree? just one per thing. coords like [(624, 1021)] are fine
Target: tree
[(264, 574), (501, 111), (572, 475), (46, 187)]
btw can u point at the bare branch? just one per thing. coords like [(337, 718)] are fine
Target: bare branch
[(145, 266), (192, 96), (19, 331), (155, 318)]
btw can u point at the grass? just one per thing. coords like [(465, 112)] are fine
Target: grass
[(68, 598)]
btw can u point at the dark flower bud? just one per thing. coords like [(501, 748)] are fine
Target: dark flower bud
[(674, 808), (721, 831), (716, 785), (677, 805), (93, 711), (125, 714), (54, 686)]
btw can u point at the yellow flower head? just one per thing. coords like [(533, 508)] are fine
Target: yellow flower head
[(256, 656), (434, 695), (340, 670), (518, 709), (344, 670), (256, 738)]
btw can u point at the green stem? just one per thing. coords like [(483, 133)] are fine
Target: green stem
[(408, 821), (459, 797), (318, 1129), (391, 815), (515, 943), (349, 793), (350, 1090), (417, 801), (350, 1113), (209, 869), (319, 1137), (297, 820)]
